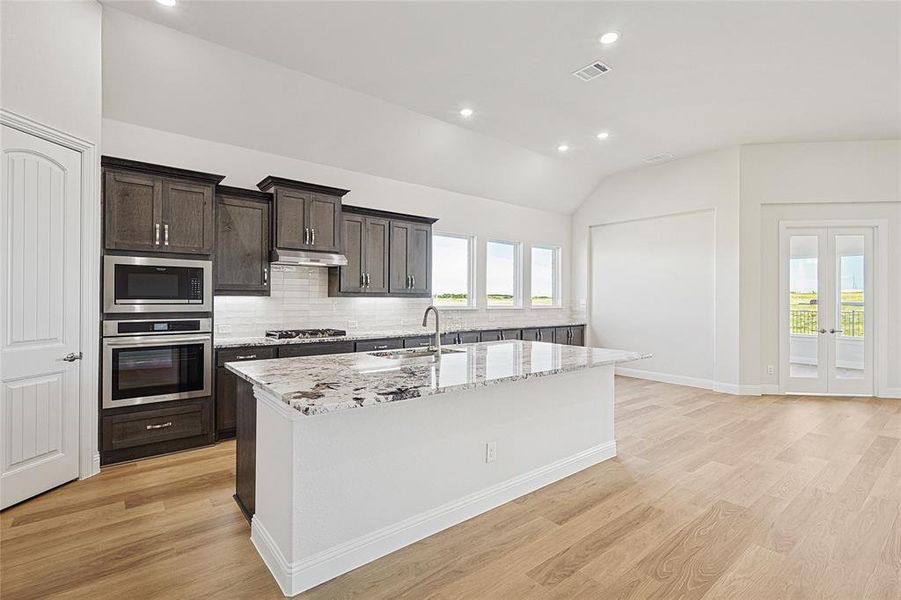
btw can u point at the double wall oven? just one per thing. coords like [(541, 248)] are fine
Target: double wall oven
[(148, 360)]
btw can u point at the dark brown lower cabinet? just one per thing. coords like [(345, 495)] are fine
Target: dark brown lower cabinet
[(423, 341), (500, 334), (246, 448), (227, 383), (314, 349), (138, 432), (539, 334), (573, 336)]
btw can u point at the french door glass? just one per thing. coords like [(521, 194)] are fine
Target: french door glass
[(827, 337)]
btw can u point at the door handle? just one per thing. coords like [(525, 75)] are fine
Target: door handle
[(156, 234), (72, 357), (165, 234), (836, 331)]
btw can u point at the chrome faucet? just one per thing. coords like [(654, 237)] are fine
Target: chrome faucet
[(425, 322)]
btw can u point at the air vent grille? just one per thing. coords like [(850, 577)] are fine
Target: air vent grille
[(589, 72), (659, 158)]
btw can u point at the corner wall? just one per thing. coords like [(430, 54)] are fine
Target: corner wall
[(704, 182)]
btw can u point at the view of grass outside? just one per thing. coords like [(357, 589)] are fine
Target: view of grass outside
[(501, 274), (451, 277), (804, 312), (544, 275)]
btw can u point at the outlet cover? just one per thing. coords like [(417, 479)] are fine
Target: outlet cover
[(490, 452), (770, 370)]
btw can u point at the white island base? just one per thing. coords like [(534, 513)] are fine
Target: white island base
[(337, 490)]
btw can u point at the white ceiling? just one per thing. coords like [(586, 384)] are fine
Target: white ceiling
[(687, 76)]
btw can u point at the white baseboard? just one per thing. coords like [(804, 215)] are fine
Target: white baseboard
[(294, 578), (769, 388), (738, 390), (707, 384), (890, 393)]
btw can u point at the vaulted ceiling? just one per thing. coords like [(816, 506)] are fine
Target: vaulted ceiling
[(686, 77)]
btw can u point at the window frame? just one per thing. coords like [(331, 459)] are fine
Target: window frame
[(517, 274), (471, 299), (557, 275)]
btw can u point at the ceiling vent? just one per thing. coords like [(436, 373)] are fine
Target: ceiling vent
[(659, 158), (589, 72)]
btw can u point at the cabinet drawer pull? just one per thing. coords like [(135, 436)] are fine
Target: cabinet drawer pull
[(246, 357), (161, 425), (380, 346)]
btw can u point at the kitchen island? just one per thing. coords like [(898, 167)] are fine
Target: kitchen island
[(345, 458)]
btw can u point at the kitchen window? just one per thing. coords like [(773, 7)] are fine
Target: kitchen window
[(545, 276), (452, 271), (503, 274)]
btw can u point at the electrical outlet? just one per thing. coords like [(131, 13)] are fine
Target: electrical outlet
[(770, 370), (351, 324), (490, 452), (223, 328)]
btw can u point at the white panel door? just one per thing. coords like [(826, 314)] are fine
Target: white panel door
[(40, 237)]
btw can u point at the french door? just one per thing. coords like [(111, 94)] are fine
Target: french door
[(826, 325)]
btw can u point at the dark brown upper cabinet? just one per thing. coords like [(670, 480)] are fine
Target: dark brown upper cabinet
[(154, 208), (410, 258), (366, 249), (388, 254), (307, 215), (243, 221)]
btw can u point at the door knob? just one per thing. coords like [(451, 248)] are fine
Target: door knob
[(72, 357)]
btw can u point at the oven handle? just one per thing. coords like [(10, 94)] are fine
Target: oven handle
[(158, 340)]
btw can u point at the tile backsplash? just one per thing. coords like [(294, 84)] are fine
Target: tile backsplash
[(299, 299)]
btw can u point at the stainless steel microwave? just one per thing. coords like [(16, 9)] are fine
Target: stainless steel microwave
[(139, 284)]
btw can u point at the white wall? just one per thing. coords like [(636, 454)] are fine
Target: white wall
[(300, 298), (50, 64), (812, 181), (653, 288), (704, 182), (752, 188)]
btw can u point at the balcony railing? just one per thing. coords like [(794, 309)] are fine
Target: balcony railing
[(805, 321)]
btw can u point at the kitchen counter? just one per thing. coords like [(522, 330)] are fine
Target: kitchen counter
[(314, 385), (239, 342), (339, 464)]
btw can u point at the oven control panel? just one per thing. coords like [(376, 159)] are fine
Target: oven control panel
[(155, 327)]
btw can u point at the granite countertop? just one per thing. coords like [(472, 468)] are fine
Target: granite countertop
[(239, 342), (323, 384)]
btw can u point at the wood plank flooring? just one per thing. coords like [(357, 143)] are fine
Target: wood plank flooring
[(712, 496)]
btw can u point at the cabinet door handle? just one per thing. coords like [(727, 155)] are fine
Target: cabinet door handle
[(265, 275), (161, 425), (166, 234), (539, 335), (246, 357), (306, 236), (502, 336), (368, 280), (412, 281), (156, 234), (313, 236)]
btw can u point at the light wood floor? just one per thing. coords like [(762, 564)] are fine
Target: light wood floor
[(712, 496)]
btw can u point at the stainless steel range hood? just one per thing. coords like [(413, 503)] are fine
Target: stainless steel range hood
[(308, 258)]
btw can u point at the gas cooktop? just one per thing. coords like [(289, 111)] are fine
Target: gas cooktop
[(281, 334)]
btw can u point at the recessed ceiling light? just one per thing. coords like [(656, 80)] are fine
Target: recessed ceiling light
[(166, 2), (562, 148), (465, 112), (603, 135), (606, 39)]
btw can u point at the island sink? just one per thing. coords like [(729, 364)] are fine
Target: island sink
[(415, 352)]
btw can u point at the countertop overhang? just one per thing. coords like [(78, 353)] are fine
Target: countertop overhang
[(315, 385)]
